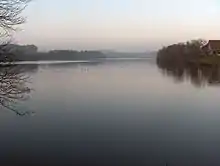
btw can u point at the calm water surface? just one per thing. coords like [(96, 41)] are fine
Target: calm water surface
[(112, 113)]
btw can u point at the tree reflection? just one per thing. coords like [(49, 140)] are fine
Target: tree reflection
[(14, 87), (198, 75)]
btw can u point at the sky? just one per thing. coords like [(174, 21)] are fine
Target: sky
[(123, 25)]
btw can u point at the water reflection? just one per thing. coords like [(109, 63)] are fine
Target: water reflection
[(15, 86), (198, 75)]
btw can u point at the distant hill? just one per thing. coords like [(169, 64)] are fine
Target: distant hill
[(30, 53), (61, 55)]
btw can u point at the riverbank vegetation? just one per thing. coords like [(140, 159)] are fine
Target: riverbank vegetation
[(182, 54), (187, 61)]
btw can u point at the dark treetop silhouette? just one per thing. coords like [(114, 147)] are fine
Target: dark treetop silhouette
[(180, 54)]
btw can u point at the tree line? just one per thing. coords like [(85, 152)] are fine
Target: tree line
[(178, 55)]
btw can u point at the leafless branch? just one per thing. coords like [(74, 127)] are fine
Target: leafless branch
[(10, 15)]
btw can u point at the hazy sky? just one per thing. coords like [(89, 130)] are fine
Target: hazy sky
[(136, 25)]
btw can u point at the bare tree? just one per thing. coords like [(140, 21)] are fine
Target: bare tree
[(10, 18), (10, 14), (13, 82)]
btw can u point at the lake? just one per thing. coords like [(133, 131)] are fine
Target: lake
[(113, 112)]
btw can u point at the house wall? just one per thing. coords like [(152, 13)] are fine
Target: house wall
[(209, 51)]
